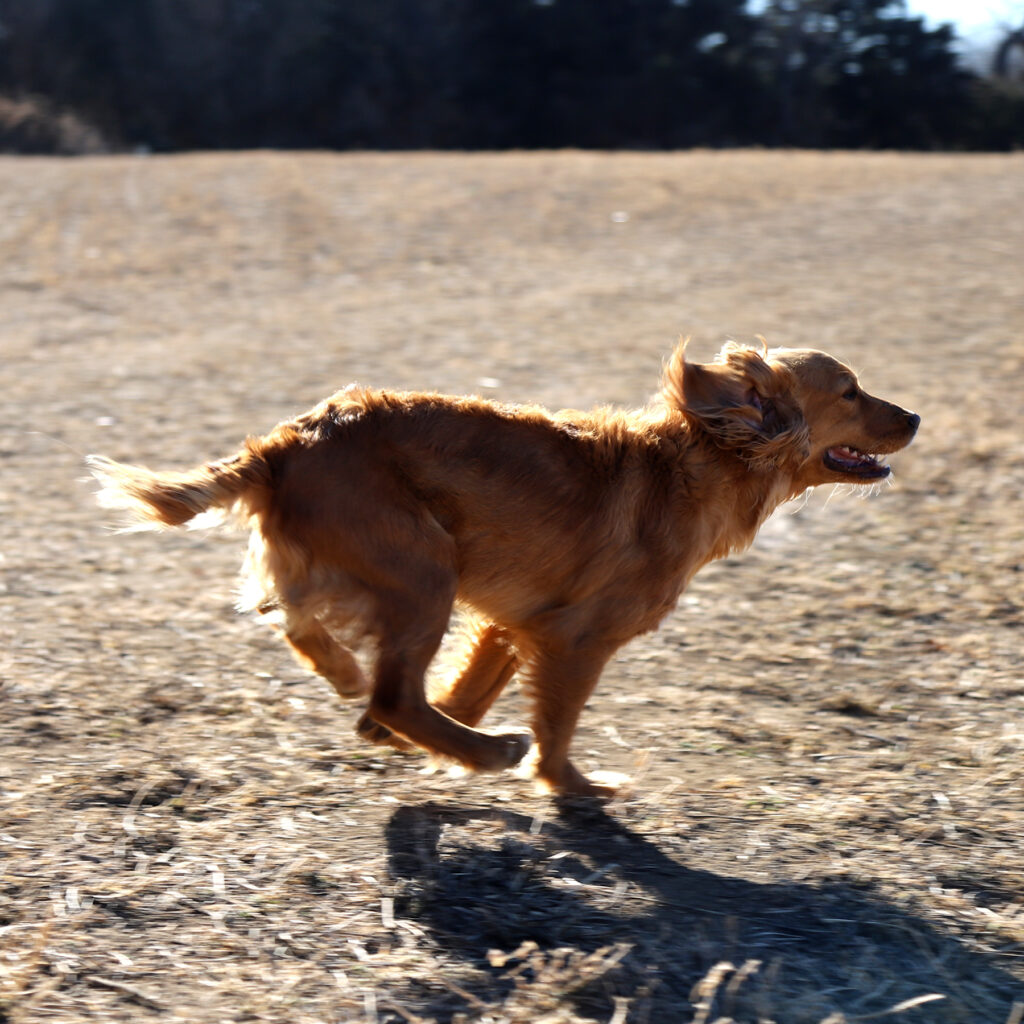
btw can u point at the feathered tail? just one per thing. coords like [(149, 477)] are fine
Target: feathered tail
[(157, 500)]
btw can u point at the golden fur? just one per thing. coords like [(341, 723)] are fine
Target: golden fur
[(565, 534)]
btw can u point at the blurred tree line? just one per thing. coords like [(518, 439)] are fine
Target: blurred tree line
[(397, 74)]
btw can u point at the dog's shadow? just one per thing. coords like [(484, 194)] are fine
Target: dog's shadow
[(578, 907)]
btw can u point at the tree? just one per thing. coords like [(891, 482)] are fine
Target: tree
[(631, 73), (177, 74), (862, 73), (1008, 59)]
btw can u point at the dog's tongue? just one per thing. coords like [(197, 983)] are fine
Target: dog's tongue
[(851, 456)]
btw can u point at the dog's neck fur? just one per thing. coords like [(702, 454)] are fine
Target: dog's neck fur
[(736, 500), (757, 498)]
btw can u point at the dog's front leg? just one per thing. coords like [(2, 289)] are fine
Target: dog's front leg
[(561, 681), (490, 664)]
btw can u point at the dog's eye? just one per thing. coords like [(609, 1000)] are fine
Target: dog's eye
[(850, 395)]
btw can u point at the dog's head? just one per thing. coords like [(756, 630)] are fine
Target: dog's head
[(790, 410)]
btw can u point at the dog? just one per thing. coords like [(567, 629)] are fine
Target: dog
[(565, 534)]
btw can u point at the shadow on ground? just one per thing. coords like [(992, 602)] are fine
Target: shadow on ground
[(580, 910)]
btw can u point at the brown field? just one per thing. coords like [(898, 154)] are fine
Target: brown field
[(826, 738)]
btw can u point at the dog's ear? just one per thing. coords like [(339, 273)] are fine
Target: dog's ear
[(742, 403)]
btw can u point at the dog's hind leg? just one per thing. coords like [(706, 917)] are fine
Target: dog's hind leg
[(490, 664), (315, 648), (411, 618), (398, 704)]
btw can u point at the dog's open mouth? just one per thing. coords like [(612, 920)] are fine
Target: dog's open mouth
[(850, 461)]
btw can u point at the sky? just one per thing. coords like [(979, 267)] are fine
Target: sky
[(979, 24), (971, 17)]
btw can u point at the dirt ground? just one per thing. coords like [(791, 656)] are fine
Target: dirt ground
[(826, 738)]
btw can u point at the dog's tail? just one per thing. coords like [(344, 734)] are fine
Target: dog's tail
[(159, 500)]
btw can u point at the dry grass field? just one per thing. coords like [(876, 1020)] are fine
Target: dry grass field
[(826, 738)]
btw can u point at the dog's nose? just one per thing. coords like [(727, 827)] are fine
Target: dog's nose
[(913, 421)]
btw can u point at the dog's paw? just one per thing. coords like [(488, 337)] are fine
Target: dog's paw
[(351, 687), (520, 745), (509, 748), (570, 783), (609, 784)]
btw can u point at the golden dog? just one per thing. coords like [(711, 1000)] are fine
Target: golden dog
[(566, 534)]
